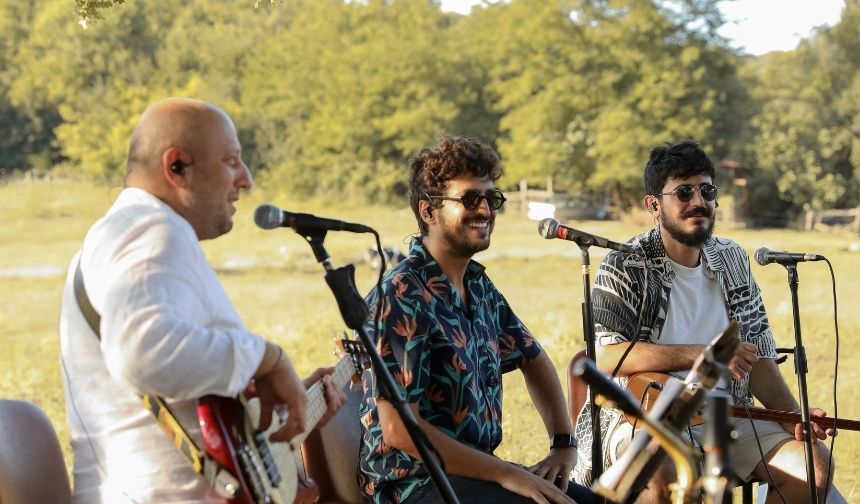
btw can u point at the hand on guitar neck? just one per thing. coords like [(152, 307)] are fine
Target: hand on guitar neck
[(334, 395), (276, 406), (275, 383)]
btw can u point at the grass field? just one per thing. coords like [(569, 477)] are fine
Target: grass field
[(279, 289)]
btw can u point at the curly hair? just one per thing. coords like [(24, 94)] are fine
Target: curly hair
[(432, 168), (681, 160)]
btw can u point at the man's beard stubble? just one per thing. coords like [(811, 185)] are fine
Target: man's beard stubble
[(460, 245), (697, 237)]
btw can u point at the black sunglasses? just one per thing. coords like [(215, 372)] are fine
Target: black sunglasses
[(685, 192), (471, 199)]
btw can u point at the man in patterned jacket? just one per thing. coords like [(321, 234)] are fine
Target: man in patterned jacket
[(447, 334), (696, 284)]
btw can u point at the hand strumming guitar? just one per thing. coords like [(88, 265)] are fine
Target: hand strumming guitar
[(745, 357)]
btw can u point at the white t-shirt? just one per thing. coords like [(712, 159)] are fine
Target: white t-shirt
[(167, 329), (696, 312)]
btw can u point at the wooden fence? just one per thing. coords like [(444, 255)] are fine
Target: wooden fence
[(824, 219)]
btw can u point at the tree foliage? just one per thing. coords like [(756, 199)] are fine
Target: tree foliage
[(807, 125), (332, 97)]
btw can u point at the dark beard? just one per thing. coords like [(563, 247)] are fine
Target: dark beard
[(460, 246), (697, 237)]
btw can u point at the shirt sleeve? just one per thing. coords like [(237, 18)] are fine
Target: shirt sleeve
[(615, 297), (752, 316), (168, 329), (516, 343)]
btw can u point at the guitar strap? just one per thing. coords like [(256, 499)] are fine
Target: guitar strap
[(221, 480)]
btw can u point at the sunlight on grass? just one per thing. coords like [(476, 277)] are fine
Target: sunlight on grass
[(280, 292)]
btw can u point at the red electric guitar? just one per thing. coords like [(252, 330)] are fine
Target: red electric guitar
[(269, 472)]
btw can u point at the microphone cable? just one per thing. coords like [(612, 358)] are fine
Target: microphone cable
[(835, 378), (376, 316), (760, 450)]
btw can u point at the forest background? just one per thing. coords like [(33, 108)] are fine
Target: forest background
[(331, 98)]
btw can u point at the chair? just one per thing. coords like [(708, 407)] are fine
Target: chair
[(577, 389), (577, 394), (331, 454), (31, 461)]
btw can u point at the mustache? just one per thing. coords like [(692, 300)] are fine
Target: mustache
[(698, 211)]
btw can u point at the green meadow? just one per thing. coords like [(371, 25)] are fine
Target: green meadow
[(280, 291)]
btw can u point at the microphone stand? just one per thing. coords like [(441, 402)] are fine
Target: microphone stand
[(800, 369), (718, 479), (590, 351), (354, 311)]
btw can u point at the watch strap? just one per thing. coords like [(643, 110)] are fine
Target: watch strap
[(562, 441)]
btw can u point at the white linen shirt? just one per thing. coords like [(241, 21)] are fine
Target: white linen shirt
[(167, 329)]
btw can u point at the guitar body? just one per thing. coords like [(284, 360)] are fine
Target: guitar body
[(268, 472), (645, 388)]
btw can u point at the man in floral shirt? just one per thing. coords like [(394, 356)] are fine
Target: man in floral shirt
[(447, 334)]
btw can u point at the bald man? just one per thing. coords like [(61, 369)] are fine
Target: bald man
[(167, 327)]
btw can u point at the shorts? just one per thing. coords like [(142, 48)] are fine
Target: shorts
[(744, 451)]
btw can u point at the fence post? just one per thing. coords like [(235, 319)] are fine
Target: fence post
[(810, 220), (524, 197)]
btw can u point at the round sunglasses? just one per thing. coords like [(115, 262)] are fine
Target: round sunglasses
[(685, 192), (471, 199)]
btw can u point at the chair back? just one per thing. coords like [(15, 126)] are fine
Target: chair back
[(31, 461), (577, 389), (331, 453)]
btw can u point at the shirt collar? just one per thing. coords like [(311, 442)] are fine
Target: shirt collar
[(134, 196), (430, 269), (652, 243)]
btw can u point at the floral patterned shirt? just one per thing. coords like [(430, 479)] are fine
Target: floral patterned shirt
[(446, 357)]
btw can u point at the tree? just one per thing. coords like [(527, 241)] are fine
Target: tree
[(359, 88), (806, 126), (25, 133)]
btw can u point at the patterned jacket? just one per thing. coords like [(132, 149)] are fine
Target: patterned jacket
[(447, 358), (618, 292)]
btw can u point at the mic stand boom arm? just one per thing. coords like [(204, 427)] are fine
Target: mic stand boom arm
[(354, 311)]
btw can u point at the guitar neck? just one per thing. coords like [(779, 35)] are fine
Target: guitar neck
[(317, 406), (791, 417)]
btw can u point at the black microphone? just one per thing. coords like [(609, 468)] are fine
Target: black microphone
[(603, 385), (550, 228), (764, 257), (270, 217)]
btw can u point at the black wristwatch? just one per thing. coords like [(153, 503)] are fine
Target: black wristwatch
[(562, 441)]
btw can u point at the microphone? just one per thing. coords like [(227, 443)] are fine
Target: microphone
[(550, 228), (603, 385), (764, 257), (269, 216)]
